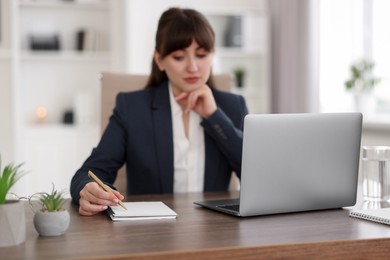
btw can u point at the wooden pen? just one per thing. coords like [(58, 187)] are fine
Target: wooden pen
[(104, 186)]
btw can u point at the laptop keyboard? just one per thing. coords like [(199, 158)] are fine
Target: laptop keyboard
[(233, 207)]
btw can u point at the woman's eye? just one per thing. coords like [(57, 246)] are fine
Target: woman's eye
[(178, 58), (202, 53)]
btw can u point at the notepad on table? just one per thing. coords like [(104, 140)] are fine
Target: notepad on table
[(141, 210), (376, 215)]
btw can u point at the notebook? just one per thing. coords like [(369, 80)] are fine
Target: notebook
[(375, 215), (141, 211), (296, 162)]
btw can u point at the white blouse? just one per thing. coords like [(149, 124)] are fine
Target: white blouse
[(189, 153)]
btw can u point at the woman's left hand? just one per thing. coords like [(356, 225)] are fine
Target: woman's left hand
[(201, 100)]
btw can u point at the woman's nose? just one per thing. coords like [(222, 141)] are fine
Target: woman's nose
[(192, 65)]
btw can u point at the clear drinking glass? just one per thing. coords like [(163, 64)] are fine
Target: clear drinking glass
[(376, 173)]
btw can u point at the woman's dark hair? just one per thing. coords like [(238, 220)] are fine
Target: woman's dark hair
[(176, 30)]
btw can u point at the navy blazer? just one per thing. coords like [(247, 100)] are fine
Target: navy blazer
[(140, 132)]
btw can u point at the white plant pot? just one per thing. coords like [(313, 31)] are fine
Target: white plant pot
[(12, 223), (365, 102), (51, 223)]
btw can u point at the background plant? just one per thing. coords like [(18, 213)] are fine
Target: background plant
[(361, 78), (239, 74), (9, 176)]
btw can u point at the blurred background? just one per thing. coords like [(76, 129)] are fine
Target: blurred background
[(284, 56)]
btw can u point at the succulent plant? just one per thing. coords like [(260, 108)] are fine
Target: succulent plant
[(53, 201)]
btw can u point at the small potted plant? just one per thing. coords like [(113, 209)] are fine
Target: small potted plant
[(52, 219), (239, 75), (12, 216)]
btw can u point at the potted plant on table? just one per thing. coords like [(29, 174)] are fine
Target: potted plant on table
[(52, 219), (12, 216)]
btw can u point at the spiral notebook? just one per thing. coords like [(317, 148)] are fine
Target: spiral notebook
[(376, 215), (141, 211)]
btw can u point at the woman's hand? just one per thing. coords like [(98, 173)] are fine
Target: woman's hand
[(93, 199), (201, 100)]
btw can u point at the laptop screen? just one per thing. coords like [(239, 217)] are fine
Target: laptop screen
[(298, 162)]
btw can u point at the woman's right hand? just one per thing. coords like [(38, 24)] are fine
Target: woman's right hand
[(93, 199)]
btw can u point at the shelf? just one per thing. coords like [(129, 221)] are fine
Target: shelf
[(232, 52), (65, 56), (61, 128), (232, 7), (61, 5)]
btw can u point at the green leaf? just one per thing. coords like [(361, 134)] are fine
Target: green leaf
[(361, 76), (10, 175), (52, 201)]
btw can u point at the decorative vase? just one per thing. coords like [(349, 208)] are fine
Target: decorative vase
[(51, 223), (364, 102), (12, 223)]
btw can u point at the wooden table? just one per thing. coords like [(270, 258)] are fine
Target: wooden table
[(201, 233)]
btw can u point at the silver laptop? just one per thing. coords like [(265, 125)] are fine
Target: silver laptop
[(296, 162)]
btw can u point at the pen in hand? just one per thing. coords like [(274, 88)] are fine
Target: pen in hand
[(104, 186)]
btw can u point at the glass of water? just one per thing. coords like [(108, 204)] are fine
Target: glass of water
[(376, 173)]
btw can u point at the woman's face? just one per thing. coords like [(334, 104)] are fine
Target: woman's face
[(187, 69)]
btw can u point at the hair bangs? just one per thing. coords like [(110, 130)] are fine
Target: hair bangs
[(179, 37), (182, 32), (204, 36)]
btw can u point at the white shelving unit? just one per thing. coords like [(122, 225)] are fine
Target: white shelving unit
[(252, 55), (59, 80)]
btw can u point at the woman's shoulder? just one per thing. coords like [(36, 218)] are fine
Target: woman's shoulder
[(134, 93), (146, 92), (137, 98), (133, 96)]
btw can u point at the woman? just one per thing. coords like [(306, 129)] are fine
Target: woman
[(178, 134)]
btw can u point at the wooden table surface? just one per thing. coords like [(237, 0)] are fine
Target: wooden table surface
[(201, 233)]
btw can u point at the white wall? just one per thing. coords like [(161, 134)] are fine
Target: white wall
[(5, 24), (6, 123), (6, 136)]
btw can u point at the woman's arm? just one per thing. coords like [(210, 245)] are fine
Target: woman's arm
[(226, 129), (104, 161)]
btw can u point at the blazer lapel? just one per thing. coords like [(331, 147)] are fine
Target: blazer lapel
[(162, 124)]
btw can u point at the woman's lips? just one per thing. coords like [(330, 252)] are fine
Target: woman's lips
[(191, 80)]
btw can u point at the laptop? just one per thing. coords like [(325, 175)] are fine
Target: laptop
[(296, 162)]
